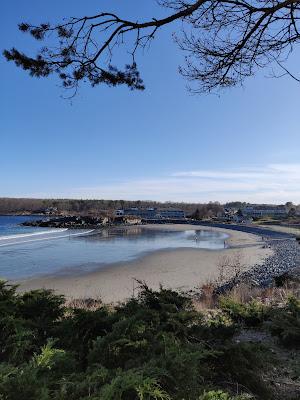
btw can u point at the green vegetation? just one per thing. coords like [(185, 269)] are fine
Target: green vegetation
[(252, 314), (286, 323), (154, 347), (220, 395)]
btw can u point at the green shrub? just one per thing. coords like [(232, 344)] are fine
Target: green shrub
[(17, 341), (244, 363), (22, 382), (132, 385), (218, 326), (41, 309), (156, 346), (27, 321), (252, 314), (16, 337), (81, 328), (85, 384), (54, 360), (285, 323), (220, 395), (8, 299)]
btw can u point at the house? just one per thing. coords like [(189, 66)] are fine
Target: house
[(145, 213), (150, 213), (264, 211), (171, 214)]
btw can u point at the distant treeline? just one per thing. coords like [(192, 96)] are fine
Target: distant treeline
[(92, 207)]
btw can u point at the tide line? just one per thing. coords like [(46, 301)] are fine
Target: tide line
[(31, 234), (48, 238)]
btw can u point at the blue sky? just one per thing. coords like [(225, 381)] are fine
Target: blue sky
[(161, 144)]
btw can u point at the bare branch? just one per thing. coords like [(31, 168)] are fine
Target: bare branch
[(225, 41)]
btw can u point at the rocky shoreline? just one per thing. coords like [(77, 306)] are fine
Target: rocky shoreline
[(283, 263), (73, 222)]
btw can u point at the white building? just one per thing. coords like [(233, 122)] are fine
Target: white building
[(151, 213), (171, 214), (258, 212)]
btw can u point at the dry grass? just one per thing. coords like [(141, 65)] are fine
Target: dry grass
[(85, 304), (243, 293), (205, 298), (231, 268)]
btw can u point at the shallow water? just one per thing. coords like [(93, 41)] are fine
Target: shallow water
[(35, 253)]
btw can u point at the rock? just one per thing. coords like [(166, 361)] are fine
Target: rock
[(284, 260)]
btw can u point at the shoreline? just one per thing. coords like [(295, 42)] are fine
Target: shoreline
[(182, 268)]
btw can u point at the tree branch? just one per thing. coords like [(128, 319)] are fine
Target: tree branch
[(227, 41)]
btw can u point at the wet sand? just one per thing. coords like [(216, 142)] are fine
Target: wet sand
[(181, 269)]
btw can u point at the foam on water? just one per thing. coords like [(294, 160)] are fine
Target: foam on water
[(47, 235), (30, 234)]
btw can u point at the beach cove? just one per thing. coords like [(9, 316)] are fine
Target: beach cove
[(179, 268)]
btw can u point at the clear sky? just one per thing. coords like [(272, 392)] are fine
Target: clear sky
[(160, 144)]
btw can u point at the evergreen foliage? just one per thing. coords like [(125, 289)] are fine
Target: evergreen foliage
[(286, 323), (153, 347), (253, 313)]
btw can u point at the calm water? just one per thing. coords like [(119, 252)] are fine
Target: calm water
[(30, 252)]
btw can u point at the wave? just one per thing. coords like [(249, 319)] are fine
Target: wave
[(44, 238), (20, 235)]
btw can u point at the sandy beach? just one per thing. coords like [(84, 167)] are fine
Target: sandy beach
[(182, 269)]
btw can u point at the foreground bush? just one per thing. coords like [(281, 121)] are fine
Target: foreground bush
[(220, 395), (285, 323), (156, 346), (251, 314)]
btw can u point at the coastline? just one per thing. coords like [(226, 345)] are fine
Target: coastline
[(182, 269)]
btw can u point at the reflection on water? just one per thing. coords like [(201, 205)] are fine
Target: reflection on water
[(117, 232), (73, 253)]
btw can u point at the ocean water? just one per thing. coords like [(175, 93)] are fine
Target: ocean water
[(10, 225), (31, 252)]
